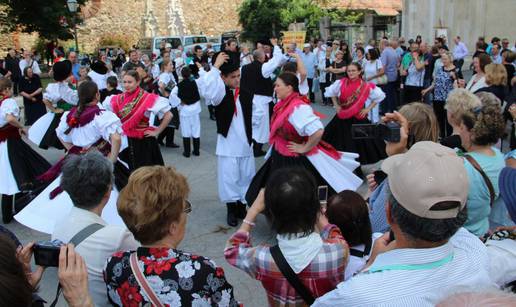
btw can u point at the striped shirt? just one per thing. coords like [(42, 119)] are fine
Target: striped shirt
[(320, 276), (417, 277)]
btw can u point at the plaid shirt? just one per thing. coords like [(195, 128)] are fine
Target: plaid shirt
[(320, 276)]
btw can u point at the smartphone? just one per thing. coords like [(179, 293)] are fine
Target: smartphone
[(379, 176), (323, 194), (46, 253)]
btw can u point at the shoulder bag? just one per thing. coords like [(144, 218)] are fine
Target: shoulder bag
[(142, 282), (488, 182)]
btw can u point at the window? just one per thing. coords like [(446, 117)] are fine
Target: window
[(192, 40), (174, 41)]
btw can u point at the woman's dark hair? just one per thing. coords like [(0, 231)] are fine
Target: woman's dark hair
[(358, 66), (133, 73), (291, 201), (5, 83), (348, 210), (25, 71), (290, 67), (112, 81), (290, 79), (15, 289), (87, 92), (186, 73), (483, 59), (373, 54), (361, 50)]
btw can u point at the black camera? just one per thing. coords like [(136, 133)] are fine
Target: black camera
[(389, 132), (46, 253)]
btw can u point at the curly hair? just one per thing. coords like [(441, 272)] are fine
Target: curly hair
[(486, 122), (153, 198)]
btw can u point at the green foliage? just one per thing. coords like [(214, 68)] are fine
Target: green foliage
[(261, 18), (38, 16), (115, 40)]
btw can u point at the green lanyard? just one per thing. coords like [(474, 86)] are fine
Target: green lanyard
[(412, 267)]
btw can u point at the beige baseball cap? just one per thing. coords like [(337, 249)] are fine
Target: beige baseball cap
[(427, 174)]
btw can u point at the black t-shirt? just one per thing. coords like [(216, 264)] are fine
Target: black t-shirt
[(453, 141), (510, 73), (105, 93)]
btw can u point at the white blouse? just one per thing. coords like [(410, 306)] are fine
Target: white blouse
[(473, 86), (102, 126), (60, 90), (304, 89), (9, 106), (305, 121), (100, 80), (371, 68)]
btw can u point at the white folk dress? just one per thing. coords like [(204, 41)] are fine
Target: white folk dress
[(42, 213), (8, 185)]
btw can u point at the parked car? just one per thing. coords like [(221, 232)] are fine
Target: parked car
[(174, 41), (145, 45)]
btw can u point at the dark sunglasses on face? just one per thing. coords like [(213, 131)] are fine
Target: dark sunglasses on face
[(188, 207)]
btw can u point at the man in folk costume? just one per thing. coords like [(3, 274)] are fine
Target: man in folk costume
[(257, 88), (59, 97), (134, 107), (234, 150)]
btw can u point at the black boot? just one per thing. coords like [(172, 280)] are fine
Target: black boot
[(231, 217), (162, 136), (7, 208), (211, 109), (196, 145), (170, 138), (186, 149), (257, 149), (241, 211)]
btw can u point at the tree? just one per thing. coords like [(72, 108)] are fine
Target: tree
[(50, 18), (261, 18)]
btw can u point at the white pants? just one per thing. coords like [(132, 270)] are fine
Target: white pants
[(190, 126), (260, 122), (234, 175)]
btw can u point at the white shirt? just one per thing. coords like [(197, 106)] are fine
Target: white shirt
[(35, 66), (268, 69), (371, 69), (96, 248), (304, 89), (502, 260), (9, 106), (192, 109), (235, 144), (305, 121), (60, 90), (460, 51), (459, 265), (100, 80)]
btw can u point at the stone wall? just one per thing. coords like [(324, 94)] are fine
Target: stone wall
[(125, 19)]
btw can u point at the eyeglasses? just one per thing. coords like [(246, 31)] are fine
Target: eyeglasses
[(188, 207)]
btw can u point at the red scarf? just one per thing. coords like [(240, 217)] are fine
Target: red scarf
[(353, 96), (282, 131), (131, 108), (8, 131)]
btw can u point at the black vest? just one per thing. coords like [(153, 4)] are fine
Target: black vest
[(226, 109), (253, 81), (188, 92)]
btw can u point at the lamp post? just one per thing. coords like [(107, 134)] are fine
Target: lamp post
[(72, 7)]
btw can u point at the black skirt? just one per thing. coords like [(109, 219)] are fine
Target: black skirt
[(277, 161), (33, 111), (174, 122), (142, 152), (121, 173), (338, 134), (50, 138), (26, 164)]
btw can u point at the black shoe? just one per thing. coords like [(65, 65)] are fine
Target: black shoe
[(7, 208), (160, 142), (231, 215), (241, 210), (173, 145), (170, 138), (196, 145), (186, 147)]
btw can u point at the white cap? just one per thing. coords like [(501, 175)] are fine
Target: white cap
[(307, 45)]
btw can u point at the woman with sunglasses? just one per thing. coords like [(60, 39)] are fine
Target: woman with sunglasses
[(155, 208)]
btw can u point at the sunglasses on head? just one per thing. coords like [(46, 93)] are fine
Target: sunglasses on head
[(188, 207)]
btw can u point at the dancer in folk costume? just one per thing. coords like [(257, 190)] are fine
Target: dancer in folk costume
[(295, 139), (19, 163), (186, 97), (84, 128), (257, 88), (354, 99), (59, 96), (235, 161), (134, 107)]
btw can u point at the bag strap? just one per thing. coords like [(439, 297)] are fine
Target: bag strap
[(290, 275), (76, 240), (142, 281), (488, 182)]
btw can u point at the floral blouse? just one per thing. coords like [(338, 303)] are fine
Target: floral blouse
[(178, 279)]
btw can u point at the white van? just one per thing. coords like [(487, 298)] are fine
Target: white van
[(190, 41), (175, 41)]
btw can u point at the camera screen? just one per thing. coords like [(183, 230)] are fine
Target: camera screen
[(363, 131), (323, 193), (46, 256)]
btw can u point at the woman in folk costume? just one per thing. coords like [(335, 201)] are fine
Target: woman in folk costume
[(134, 107), (59, 97), (84, 128), (354, 99), (295, 139), (186, 98), (20, 164), (166, 84)]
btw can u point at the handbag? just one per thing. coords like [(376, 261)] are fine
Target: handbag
[(382, 79), (488, 182), (142, 282), (291, 276)]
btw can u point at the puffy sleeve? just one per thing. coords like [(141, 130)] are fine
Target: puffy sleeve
[(67, 94), (333, 90), (9, 106), (160, 107), (51, 93), (107, 123), (106, 104), (173, 99), (377, 94), (62, 127), (305, 121), (214, 87), (269, 67)]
